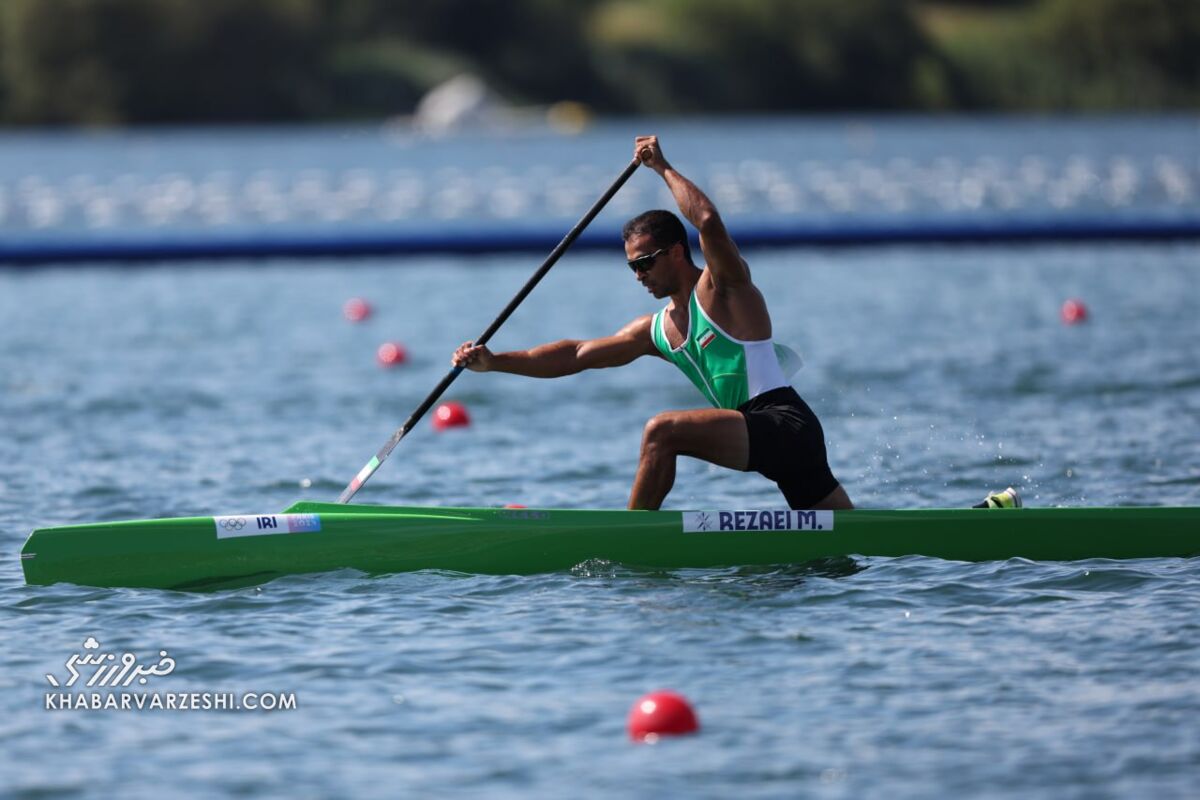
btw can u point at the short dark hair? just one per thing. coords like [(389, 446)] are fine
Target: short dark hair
[(663, 227)]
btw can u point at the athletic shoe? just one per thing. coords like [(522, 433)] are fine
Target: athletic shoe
[(1009, 498)]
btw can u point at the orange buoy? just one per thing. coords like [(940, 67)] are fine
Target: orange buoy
[(1074, 312), (356, 309), (391, 354), (450, 415), (661, 713)]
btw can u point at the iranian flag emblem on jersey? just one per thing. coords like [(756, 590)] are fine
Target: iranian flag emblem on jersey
[(705, 340)]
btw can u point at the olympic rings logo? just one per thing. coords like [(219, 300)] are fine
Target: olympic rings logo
[(235, 524)]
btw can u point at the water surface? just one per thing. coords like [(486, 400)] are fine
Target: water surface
[(939, 374)]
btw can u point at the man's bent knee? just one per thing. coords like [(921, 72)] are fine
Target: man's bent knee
[(659, 432)]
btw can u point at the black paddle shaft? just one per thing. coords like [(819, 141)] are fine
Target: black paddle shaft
[(366, 472)]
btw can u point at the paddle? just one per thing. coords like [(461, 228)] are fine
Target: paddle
[(366, 472)]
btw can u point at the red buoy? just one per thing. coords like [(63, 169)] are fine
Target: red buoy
[(356, 309), (390, 354), (450, 415), (661, 713), (1074, 312), (514, 505)]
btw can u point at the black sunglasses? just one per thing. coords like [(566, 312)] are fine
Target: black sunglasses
[(645, 263)]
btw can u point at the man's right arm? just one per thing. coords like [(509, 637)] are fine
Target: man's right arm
[(565, 357)]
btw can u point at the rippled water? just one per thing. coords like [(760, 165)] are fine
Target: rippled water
[(938, 373)]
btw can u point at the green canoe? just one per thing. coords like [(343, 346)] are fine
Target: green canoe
[(225, 551)]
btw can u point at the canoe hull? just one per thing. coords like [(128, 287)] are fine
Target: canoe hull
[(214, 552)]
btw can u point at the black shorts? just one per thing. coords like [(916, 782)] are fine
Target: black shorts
[(787, 445)]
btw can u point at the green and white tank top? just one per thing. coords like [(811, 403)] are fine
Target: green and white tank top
[(727, 371)]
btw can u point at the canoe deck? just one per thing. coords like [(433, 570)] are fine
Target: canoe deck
[(226, 551)]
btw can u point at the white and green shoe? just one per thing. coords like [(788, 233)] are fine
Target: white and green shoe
[(1009, 498)]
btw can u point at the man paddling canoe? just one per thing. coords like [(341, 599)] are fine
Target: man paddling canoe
[(716, 329)]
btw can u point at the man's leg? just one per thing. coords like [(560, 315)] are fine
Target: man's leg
[(712, 434), (837, 500)]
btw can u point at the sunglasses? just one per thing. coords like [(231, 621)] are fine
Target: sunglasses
[(644, 263)]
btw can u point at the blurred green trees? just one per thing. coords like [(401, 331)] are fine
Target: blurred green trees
[(767, 55), (105, 62), (1141, 53), (114, 61), (1092, 55)]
